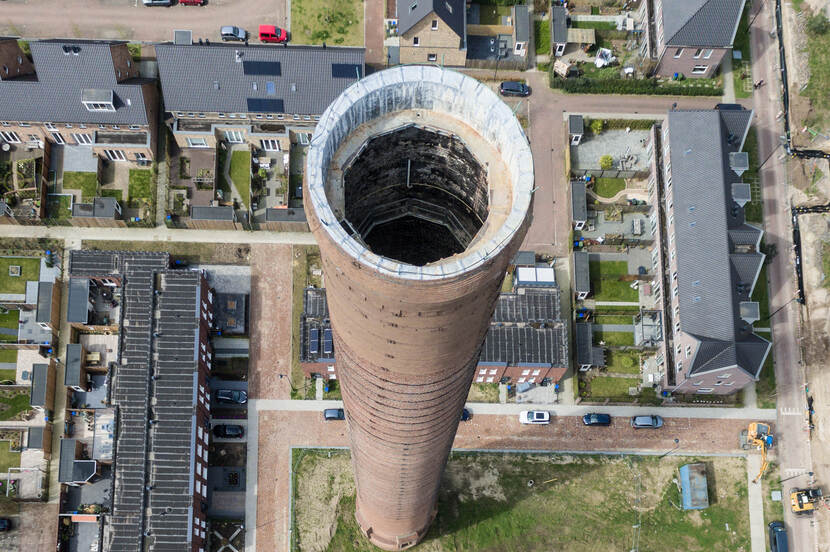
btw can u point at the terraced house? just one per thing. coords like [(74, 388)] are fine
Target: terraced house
[(76, 92), (707, 256), (690, 37), (432, 31)]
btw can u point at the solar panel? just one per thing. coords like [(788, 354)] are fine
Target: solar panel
[(262, 68), (346, 71), (313, 341), (265, 105), (327, 342)]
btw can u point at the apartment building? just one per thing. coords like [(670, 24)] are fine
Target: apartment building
[(432, 31), (80, 92), (690, 38), (706, 256)]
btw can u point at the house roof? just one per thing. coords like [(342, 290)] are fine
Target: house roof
[(44, 302), (40, 375), (451, 12), (532, 305), (34, 439), (72, 374), (559, 25), (203, 212), (77, 304), (71, 470), (521, 22), (260, 79), (524, 258), (582, 275), (284, 215), (711, 23), (55, 92), (101, 207), (579, 203), (576, 124), (525, 345), (713, 275), (586, 353)]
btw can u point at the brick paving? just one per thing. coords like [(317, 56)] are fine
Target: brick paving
[(38, 526)]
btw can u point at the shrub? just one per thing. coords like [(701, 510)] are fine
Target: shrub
[(585, 85), (606, 162), (596, 126), (818, 24)]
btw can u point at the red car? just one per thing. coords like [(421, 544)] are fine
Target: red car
[(192, 2), (270, 33)]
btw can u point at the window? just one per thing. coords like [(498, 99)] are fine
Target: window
[(536, 372), (24, 124), (4, 123), (697, 383), (489, 380), (698, 53), (522, 380), (678, 52), (413, 6), (99, 106), (140, 156), (196, 142), (116, 127), (50, 126), (688, 351), (269, 145), (296, 117), (115, 155), (699, 69), (493, 372), (10, 137), (432, 57), (725, 376), (480, 379), (525, 372), (134, 127), (233, 136), (82, 138), (221, 115), (705, 390), (434, 25), (416, 41), (304, 138), (483, 371), (708, 54), (56, 136)]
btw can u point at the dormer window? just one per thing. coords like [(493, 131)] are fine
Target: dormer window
[(434, 24), (98, 100), (413, 6)]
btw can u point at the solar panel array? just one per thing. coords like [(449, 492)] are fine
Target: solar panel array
[(265, 105), (532, 306), (272, 68), (525, 344)]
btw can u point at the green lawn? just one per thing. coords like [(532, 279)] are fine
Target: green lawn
[(336, 22), (8, 355), (765, 387), (117, 194), (135, 50), (599, 25), (8, 375), (58, 207), (141, 186), (29, 270), (578, 503), (817, 47), (87, 182), (609, 187), (10, 319), (333, 394), (491, 14), (605, 282), (12, 403), (240, 172), (8, 459), (623, 362), (541, 30), (612, 388), (614, 339), (613, 319), (761, 294), (741, 43)]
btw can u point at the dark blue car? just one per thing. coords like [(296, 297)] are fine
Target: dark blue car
[(594, 419)]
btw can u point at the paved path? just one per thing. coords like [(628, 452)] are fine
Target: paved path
[(160, 233), (614, 327), (756, 504)]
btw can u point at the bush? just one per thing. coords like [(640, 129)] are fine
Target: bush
[(596, 126), (584, 85), (606, 162), (818, 24)]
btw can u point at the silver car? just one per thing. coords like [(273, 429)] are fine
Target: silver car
[(232, 33), (640, 422)]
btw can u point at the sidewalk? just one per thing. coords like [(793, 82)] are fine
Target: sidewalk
[(756, 503)]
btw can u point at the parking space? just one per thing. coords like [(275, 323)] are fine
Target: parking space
[(131, 20), (229, 391), (215, 434)]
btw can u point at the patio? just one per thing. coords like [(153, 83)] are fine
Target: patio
[(105, 345), (96, 394), (629, 150), (193, 178), (598, 226), (270, 185)]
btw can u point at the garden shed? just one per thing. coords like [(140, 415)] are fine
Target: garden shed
[(693, 486)]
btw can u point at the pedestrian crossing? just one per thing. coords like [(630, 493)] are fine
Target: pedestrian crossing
[(792, 412)]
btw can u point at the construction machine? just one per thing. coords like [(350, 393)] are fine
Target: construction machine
[(804, 501), (758, 436)]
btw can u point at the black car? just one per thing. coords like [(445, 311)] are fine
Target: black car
[(466, 415), (331, 414), (594, 419), (5, 525), (778, 537), (232, 396), (514, 88), (229, 431)]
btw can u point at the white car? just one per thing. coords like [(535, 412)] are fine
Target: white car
[(534, 417)]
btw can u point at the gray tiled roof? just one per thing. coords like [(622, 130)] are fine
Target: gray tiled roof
[(71, 470), (54, 95), (711, 23), (709, 267), (72, 374), (101, 207), (579, 203), (524, 258), (586, 353), (576, 124), (559, 25), (284, 215), (44, 302), (522, 23), (582, 274), (77, 309), (452, 12), (203, 212), (40, 375), (35, 438), (198, 78)]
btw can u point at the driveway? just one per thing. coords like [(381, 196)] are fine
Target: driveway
[(131, 20), (219, 421), (216, 384)]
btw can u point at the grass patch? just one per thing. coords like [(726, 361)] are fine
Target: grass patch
[(614, 339), (616, 309), (484, 392), (29, 270), (599, 25), (191, 252), (141, 186), (754, 210), (333, 394), (8, 375), (117, 194), (87, 182), (609, 187), (241, 175), (491, 14), (623, 362), (10, 319), (606, 284), (8, 458), (8, 355), (615, 389), (12, 403), (135, 50), (58, 207), (825, 263), (741, 41), (338, 22), (485, 504), (773, 511), (507, 283), (761, 295), (816, 90), (765, 387), (541, 30), (613, 319)]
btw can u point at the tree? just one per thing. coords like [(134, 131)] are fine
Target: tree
[(596, 126), (818, 24), (606, 162)]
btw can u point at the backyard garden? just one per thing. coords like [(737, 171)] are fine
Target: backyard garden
[(606, 282), (336, 22), (29, 270), (141, 193), (87, 182), (240, 172), (14, 403)]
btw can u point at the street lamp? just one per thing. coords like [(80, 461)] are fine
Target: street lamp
[(676, 444), (291, 383)]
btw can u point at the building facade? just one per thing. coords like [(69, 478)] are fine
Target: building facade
[(432, 31)]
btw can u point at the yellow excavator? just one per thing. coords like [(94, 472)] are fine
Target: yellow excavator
[(804, 501), (758, 436)]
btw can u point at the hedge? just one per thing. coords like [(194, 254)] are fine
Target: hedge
[(584, 85), (620, 124)]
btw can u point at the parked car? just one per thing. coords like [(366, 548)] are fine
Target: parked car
[(231, 396), (157, 2), (270, 33), (333, 414), (534, 417), (5, 525), (192, 2), (594, 419), (514, 88), (466, 415), (778, 537), (231, 33), (229, 431), (640, 422)]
